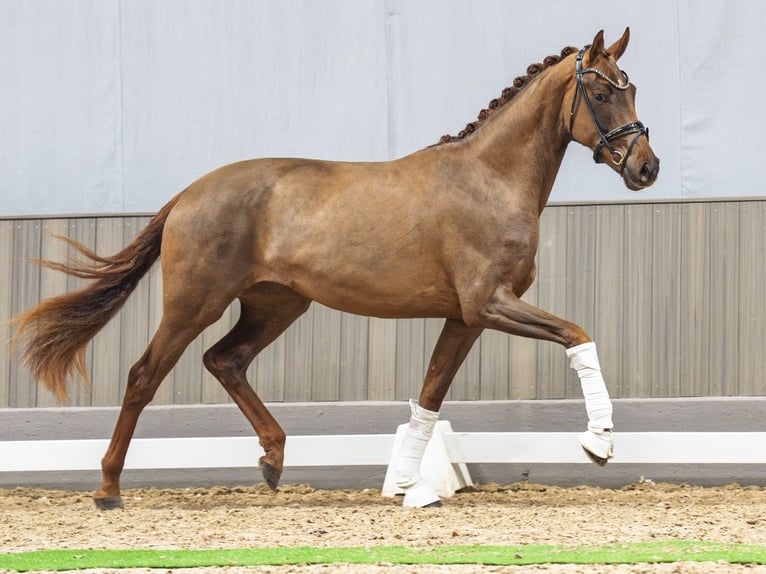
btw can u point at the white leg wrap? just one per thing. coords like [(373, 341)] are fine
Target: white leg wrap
[(584, 360), (416, 491), (598, 438), (414, 444)]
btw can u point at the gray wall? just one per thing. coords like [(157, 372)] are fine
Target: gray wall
[(671, 292), (112, 106)]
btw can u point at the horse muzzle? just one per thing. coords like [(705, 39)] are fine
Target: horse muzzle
[(639, 172)]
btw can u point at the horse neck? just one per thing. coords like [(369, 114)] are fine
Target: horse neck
[(525, 142)]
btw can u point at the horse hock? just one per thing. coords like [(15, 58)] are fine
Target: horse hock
[(417, 492), (597, 441)]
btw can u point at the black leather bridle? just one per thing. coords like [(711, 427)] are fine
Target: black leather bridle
[(606, 138)]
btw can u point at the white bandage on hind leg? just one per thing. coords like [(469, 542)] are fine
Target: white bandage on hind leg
[(584, 360), (416, 438)]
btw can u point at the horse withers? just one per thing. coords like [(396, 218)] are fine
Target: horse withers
[(449, 231)]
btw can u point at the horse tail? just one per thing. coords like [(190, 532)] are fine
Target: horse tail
[(53, 335)]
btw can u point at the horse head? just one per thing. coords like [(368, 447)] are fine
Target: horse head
[(603, 115)]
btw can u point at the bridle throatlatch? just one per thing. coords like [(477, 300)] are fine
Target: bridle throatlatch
[(605, 138)]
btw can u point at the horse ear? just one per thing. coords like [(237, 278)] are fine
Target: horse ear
[(618, 48), (596, 47)]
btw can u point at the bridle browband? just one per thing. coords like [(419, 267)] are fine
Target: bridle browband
[(606, 138)]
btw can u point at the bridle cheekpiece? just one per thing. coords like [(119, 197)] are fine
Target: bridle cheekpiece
[(605, 138)]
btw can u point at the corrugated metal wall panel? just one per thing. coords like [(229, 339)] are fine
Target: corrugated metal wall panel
[(551, 290), (7, 276), (354, 341), (724, 308), (694, 278), (299, 358), (671, 292), (608, 290), (752, 302), (665, 325), (25, 289), (381, 357), (637, 306), (410, 352)]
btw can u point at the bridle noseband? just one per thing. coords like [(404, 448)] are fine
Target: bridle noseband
[(606, 138)]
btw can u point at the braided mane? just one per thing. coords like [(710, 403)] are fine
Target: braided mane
[(533, 70)]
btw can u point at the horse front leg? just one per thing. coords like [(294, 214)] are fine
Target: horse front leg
[(451, 349), (506, 312)]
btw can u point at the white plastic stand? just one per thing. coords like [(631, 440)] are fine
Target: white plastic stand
[(436, 468)]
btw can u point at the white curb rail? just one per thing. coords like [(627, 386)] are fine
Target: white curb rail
[(376, 449)]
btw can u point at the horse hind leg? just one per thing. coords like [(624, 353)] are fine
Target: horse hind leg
[(145, 376), (266, 311)]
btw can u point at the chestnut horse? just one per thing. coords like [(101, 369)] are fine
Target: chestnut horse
[(449, 231)]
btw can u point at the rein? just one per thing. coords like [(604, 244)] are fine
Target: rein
[(605, 138)]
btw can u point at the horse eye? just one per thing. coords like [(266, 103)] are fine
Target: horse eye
[(599, 97)]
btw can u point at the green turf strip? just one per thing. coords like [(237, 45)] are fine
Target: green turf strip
[(657, 551)]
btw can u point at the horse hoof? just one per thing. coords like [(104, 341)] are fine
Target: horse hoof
[(598, 446), (595, 458), (421, 495), (270, 474), (108, 502)]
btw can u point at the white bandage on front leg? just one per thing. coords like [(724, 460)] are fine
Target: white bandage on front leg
[(598, 440), (584, 360), (416, 491), (416, 438)]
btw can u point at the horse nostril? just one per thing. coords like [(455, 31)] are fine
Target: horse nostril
[(645, 172)]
